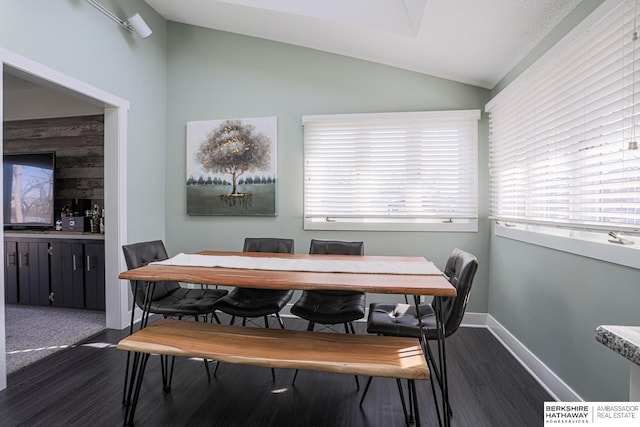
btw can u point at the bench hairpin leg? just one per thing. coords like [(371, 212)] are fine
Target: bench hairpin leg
[(167, 372), (137, 374), (412, 389), (132, 379), (407, 417)]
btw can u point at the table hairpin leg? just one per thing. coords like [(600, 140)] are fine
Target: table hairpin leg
[(125, 400), (438, 368), (127, 391)]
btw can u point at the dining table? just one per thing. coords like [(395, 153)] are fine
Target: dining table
[(402, 275)]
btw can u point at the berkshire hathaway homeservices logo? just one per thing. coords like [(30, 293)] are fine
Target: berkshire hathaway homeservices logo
[(601, 414)]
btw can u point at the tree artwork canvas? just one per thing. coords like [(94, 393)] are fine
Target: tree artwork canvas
[(231, 167)]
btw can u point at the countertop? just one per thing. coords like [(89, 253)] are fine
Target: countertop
[(51, 234), (624, 340)]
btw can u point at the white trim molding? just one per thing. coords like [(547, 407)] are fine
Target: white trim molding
[(116, 111), (596, 245)]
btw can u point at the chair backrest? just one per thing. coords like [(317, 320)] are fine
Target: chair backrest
[(336, 247), (140, 254), (268, 244), (460, 270)]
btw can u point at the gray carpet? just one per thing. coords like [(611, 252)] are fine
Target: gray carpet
[(36, 332)]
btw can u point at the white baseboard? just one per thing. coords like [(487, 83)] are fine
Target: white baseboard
[(474, 320), (554, 385)]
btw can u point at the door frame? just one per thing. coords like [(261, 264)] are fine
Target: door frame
[(115, 187)]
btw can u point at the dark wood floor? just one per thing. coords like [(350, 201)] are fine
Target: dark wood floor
[(82, 386)]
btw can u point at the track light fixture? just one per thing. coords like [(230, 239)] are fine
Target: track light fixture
[(134, 24)]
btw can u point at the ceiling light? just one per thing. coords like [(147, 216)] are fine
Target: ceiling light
[(134, 24)]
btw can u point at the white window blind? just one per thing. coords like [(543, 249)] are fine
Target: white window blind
[(391, 171), (562, 137)]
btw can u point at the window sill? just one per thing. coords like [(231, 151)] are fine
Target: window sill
[(353, 224), (584, 243)]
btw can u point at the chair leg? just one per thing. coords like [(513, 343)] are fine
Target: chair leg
[(280, 320), (366, 389), (206, 368), (352, 331), (215, 316), (310, 327)]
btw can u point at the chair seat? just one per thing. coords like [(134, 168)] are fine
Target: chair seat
[(248, 302), (401, 320), (330, 307), (187, 302)]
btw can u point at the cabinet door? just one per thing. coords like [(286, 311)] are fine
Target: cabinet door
[(33, 273), (94, 276), (11, 272), (67, 275)]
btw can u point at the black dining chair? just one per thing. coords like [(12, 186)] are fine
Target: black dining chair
[(168, 299), (248, 303), (396, 319), (332, 307)]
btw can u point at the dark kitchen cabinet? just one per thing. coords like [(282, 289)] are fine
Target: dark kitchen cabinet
[(26, 272), (94, 276), (57, 271), (11, 272), (67, 274)]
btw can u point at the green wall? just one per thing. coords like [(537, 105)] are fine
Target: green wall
[(74, 38), (552, 301), (217, 75)]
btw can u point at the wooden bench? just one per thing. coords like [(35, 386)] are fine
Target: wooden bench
[(370, 355)]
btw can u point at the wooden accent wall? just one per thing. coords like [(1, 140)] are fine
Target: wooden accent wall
[(79, 146)]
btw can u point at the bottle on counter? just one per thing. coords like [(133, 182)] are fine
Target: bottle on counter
[(95, 220)]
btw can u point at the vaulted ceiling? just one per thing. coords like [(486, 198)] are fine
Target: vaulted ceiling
[(470, 41)]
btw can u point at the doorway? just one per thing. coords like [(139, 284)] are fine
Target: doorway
[(115, 141)]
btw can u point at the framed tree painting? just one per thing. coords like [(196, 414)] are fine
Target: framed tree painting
[(231, 167)]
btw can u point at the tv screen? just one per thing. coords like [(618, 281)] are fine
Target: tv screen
[(28, 190)]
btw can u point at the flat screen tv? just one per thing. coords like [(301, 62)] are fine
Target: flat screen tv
[(28, 190)]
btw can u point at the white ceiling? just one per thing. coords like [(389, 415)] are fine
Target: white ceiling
[(470, 41)]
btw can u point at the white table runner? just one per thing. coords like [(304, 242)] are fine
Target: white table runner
[(313, 265)]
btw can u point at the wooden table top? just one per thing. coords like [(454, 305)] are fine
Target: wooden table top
[(436, 285)]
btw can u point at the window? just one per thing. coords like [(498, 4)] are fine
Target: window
[(391, 171), (563, 148)]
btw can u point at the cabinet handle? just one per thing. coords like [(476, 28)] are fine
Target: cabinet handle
[(26, 260), (11, 259), (75, 266), (88, 263)]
